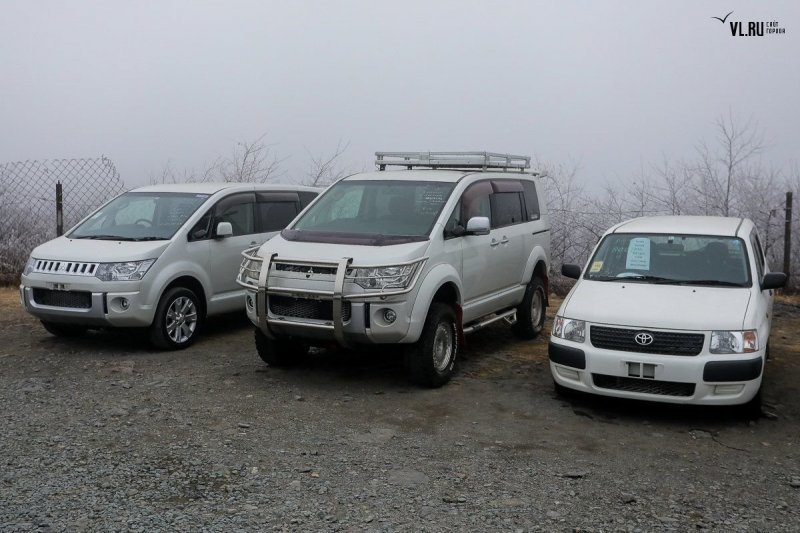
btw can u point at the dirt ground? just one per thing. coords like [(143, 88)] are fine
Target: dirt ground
[(104, 433)]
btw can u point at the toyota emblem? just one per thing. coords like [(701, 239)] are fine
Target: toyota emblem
[(643, 338)]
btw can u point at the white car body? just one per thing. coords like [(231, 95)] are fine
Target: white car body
[(483, 277), (65, 267), (608, 362)]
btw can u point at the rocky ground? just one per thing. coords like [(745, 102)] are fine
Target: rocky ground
[(103, 433)]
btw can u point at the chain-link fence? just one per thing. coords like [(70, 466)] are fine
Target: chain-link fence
[(28, 202)]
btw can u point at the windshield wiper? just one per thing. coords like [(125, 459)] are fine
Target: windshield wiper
[(716, 282), (150, 239), (641, 277), (106, 237)]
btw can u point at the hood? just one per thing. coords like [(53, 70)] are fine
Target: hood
[(644, 305), (98, 251), (362, 255)]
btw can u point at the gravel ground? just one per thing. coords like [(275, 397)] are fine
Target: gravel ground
[(103, 433)]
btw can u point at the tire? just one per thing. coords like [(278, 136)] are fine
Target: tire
[(279, 352), (531, 312), (753, 410), (178, 319), (64, 330), (431, 361)]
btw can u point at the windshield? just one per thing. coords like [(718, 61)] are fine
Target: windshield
[(373, 212), (140, 216), (664, 258)]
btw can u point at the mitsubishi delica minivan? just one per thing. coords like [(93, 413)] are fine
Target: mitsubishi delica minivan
[(161, 257), (672, 309), (418, 257)]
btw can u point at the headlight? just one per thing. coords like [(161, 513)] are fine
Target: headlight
[(569, 329), (127, 271), (383, 277), (734, 341), (29, 266)]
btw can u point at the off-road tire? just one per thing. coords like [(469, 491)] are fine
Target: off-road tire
[(530, 322), (279, 352), (162, 333), (63, 330), (439, 334)]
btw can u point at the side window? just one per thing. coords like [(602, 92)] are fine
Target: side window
[(506, 209), (531, 200), (759, 255), (274, 216), (239, 210), (454, 222), (475, 201), (202, 229), (305, 198)]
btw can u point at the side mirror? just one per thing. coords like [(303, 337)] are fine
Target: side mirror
[(224, 229), (478, 226), (773, 280), (571, 271)]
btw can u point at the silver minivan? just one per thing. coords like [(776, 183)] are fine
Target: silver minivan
[(162, 257)]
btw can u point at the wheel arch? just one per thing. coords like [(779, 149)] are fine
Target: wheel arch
[(441, 284)]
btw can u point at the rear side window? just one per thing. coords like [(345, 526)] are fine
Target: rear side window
[(531, 200), (274, 216), (506, 209)]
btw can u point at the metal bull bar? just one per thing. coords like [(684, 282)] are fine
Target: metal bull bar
[(263, 289)]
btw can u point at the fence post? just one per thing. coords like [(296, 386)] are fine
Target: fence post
[(59, 210), (787, 236)]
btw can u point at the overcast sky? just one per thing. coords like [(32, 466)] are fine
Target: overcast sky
[(612, 85)]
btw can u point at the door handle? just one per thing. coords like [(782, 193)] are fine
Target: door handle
[(253, 243), (494, 243), (505, 240)]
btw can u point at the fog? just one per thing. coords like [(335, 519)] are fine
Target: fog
[(613, 87)]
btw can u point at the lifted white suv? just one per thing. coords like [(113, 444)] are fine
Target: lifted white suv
[(416, 257)]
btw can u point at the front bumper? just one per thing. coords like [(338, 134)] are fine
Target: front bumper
[(356, 318), (119, 307), (705, 379)]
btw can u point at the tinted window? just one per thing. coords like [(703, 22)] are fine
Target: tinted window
[(506, 209), (239, 211), (531, 200), (305, 198), (475, 201), (274, 216)]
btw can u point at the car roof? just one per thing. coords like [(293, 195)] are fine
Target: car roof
[(211, 188), (443, 175), (682, 224)]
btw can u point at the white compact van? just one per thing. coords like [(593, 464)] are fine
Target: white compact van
[(162, 257), (418, 257), (673, 309)]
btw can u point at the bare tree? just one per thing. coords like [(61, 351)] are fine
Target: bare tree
[(251, 162), (326, 169)]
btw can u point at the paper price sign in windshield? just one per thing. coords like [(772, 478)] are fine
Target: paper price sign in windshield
[(638, 254)]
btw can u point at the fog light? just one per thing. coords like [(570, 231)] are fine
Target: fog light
[(568, 373), (389, 316), (250, 303), (124, 303), (728, 389)]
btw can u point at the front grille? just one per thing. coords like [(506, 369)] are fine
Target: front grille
[(648, 386), (664, 342), (306, 308), (75, 268), (305, 269), (70, 299)]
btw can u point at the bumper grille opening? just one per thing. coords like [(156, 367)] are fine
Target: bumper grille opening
[(663, 342), (67, 299), (306, 308), (647, 386)]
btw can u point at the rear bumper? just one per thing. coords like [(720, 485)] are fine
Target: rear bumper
[(699, 380)]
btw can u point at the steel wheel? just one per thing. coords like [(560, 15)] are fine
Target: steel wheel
[(537, 306), (181, 319)]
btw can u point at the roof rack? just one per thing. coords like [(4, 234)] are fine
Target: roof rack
[(479, 160)]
